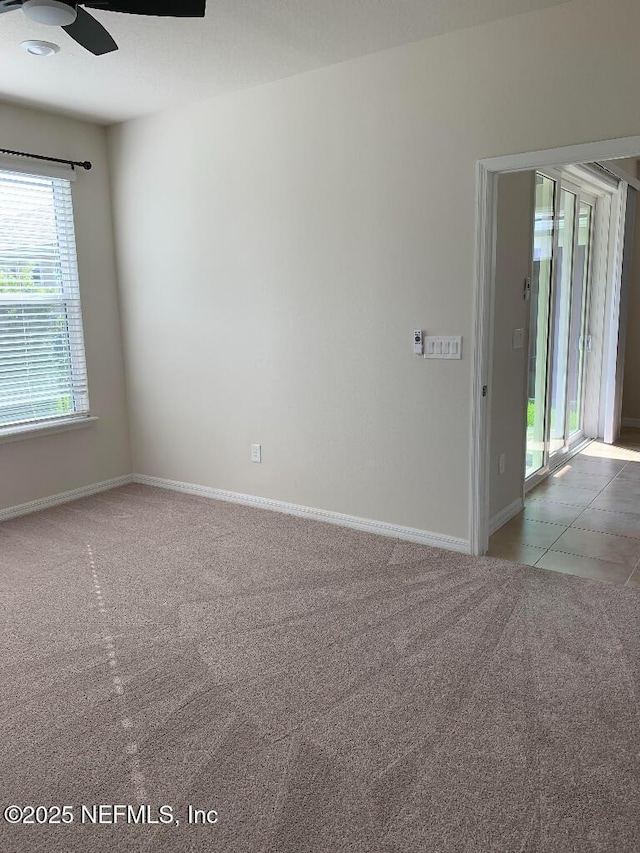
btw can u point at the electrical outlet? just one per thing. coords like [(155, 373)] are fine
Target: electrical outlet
[(502, 463), (256, 453)]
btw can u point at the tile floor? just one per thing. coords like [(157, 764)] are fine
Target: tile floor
[(584, 519)]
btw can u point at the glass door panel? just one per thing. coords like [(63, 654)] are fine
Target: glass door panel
[(561, 320), (543, 239), (558, 321), (579, 321)]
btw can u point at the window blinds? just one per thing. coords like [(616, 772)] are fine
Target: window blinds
[(42, 366)]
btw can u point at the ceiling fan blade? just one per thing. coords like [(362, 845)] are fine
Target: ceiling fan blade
[(90, 34), (9, 5), (161, 8)]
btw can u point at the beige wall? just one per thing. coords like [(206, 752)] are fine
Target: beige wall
[(38, 467), (509, 376), (278, 246), (631, 391), (627, 164)]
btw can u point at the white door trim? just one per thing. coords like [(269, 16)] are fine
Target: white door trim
[(615, 327), (612, 316), (486, 182)]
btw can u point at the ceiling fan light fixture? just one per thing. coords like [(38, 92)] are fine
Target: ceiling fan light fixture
[(55, 13), (40, 48)]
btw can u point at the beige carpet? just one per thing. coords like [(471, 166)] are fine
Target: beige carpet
[(322, 689)]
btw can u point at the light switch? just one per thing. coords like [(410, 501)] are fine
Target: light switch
[(518, 338), (443, 347)]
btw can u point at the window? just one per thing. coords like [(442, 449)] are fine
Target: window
[(43, 376)]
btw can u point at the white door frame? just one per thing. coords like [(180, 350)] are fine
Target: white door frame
[(615, 337), (487, 172)]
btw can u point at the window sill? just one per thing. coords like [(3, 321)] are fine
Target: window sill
[(38, 430)]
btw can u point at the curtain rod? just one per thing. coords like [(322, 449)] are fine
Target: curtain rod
[(85, 165)]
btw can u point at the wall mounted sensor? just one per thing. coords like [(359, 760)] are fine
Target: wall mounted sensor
[(418, 342)]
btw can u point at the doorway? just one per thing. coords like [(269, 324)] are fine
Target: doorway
[(568, 313), (579, 514)]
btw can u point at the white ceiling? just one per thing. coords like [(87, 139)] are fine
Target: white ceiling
[(240, 43)]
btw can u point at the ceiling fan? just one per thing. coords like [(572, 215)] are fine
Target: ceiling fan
[(85, 29)]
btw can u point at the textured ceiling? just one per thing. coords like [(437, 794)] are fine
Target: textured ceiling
[(240, 43)]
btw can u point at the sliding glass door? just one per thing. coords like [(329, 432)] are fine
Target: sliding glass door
[(543, 238), (578, 329), (560, 320), (563, 228)]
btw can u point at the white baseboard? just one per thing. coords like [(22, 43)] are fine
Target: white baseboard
[(381, 528), (64, 497), (505, 515), (631, 422)]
